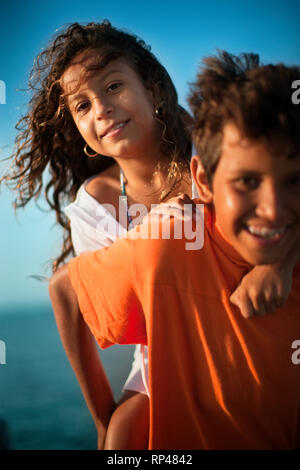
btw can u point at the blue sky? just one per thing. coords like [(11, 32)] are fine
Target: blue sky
[(180, 34)]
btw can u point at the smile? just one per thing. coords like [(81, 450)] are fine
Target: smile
[(114, 130), (272, 234)]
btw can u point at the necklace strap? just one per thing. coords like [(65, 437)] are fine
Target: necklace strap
[(124, 197), (122, 183)]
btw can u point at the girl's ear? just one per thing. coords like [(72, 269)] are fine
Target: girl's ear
[(200, 179)]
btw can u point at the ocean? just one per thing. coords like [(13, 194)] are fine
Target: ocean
[(41, 406)]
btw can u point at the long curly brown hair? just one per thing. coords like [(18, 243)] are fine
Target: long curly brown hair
[(49, 140)]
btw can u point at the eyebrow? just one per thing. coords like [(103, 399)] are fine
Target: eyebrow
[(73, 97), (111, 72), (245, 172)]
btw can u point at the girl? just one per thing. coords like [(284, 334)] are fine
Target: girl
[(106, 123)]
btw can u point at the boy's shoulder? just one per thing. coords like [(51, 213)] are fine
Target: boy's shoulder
[(169, 243), (166, 231), (196, 258)]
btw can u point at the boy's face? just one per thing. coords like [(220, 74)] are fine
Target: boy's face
[(257, 198)]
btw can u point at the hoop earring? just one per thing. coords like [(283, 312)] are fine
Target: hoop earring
[(158, 117), (89, 154), (158, 111)]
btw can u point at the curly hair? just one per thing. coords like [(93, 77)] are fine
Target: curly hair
[(256, 98), (49, 140)]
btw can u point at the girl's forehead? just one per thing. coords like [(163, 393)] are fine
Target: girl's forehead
[(87, 57), (87, 64)]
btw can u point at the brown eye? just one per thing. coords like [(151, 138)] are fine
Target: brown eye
[(82, 106), (114, 86), (247, 183), (294, 182)]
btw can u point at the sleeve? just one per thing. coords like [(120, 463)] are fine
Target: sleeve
[(85, 232), (108, 294)]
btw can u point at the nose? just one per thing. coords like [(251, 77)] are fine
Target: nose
[(101, 108), (270, 205)]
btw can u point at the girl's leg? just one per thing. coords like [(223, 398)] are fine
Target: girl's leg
[(81, 350), (129, 425)]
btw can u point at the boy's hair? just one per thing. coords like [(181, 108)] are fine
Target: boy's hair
[(49, 138), (256, 98)]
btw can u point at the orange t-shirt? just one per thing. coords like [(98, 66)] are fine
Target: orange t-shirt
[(217, 380)]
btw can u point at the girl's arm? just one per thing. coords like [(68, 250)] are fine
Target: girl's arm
[(266, 287), (81, 350), (85, 215)]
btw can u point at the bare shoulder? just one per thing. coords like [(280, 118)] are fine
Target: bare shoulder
[(105, 186)]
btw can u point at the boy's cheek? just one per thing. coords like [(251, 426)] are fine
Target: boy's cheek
[(231, 213)]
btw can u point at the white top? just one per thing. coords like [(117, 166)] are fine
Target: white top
[(93, 225)]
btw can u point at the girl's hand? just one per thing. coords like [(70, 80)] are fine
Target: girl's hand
[(181, 207), (264, 289)]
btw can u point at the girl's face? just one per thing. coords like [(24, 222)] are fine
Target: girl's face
[(112, 109)]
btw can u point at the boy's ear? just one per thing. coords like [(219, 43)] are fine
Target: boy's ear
[(200, 179)]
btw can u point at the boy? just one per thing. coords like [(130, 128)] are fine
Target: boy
[(217, 380)]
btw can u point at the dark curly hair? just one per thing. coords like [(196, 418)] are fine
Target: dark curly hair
[(48, 138), (256, 98)]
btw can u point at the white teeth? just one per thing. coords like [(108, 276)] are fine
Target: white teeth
[(117, 126), (266, 232)]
